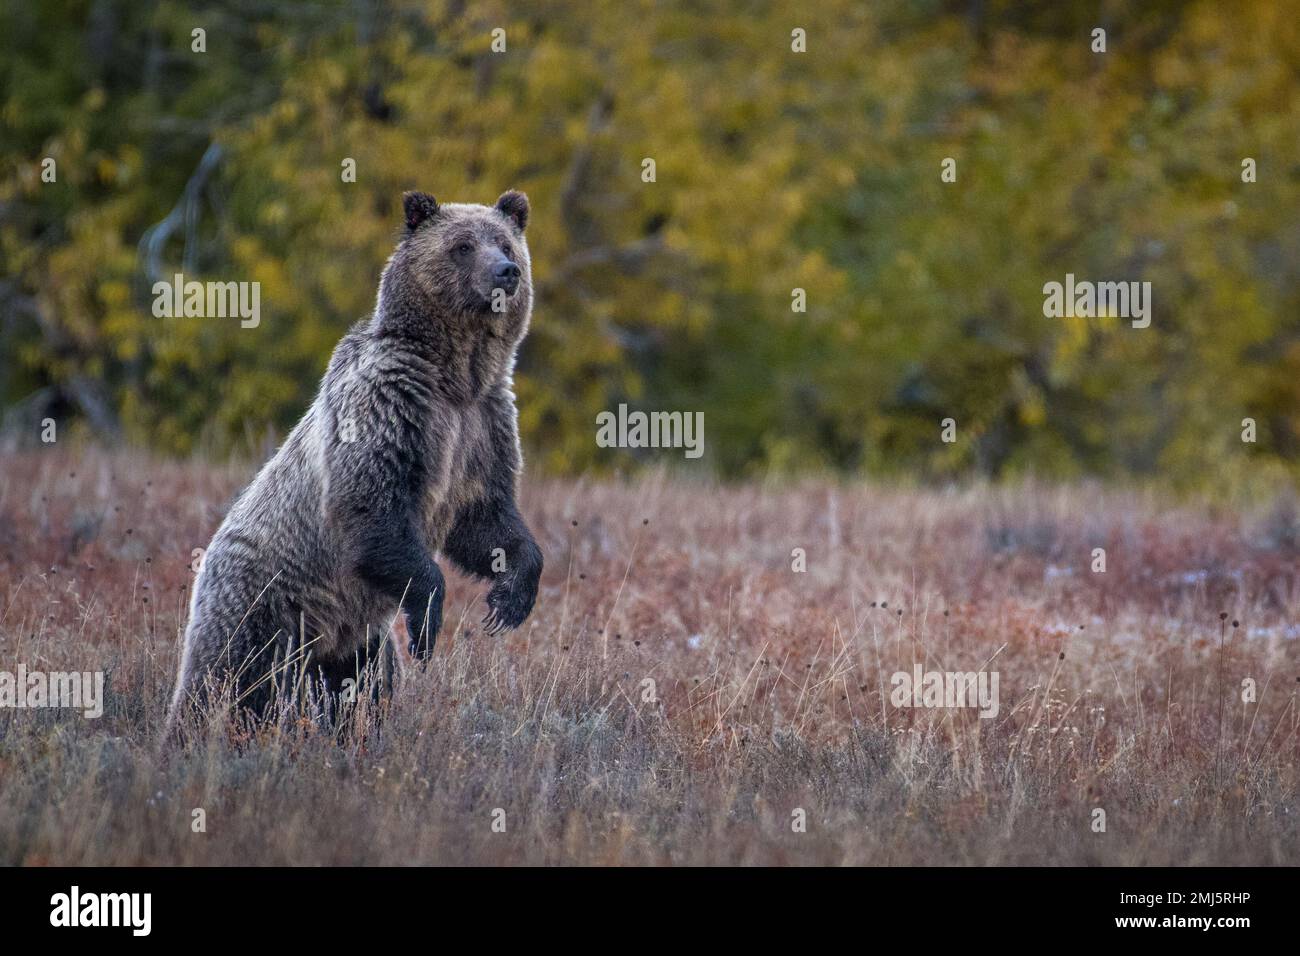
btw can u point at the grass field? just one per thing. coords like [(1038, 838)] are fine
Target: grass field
[(1120, 691)]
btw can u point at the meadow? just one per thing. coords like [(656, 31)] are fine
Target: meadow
[(682, 694)]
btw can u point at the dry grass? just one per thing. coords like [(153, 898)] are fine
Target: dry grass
[(772, 685)]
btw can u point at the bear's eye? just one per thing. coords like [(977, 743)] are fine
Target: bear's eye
[(505, 247), (464, 248)]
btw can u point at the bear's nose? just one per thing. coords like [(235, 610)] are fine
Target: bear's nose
[(505, 276)]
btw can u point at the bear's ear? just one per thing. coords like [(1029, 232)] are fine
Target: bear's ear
[(419, 207), (515, 206)]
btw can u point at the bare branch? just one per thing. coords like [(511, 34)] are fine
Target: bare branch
[(185, 211)]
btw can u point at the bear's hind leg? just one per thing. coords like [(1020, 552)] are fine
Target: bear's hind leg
[(368, 673)]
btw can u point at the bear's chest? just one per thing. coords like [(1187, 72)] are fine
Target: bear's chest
[(455, 444)]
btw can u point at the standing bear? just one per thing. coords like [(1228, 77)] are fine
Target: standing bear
[(410, 448)]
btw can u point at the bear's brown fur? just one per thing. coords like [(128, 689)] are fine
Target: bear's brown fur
[(409, 449)]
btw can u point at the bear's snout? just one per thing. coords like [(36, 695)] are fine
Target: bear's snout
[(505, 275)]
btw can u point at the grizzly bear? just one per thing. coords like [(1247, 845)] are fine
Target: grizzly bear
[(410, 449)]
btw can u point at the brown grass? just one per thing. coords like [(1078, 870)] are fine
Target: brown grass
[(771, 685)]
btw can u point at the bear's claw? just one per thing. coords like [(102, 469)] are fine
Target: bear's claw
[(510, 601)]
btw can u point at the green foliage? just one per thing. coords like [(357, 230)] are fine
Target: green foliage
[(775, 170)]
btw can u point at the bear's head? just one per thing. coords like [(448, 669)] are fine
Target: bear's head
[(464, 266)]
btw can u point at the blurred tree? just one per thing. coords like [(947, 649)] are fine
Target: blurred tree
[(775, 170)]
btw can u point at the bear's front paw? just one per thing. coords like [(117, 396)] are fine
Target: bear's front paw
[(511, 599)]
